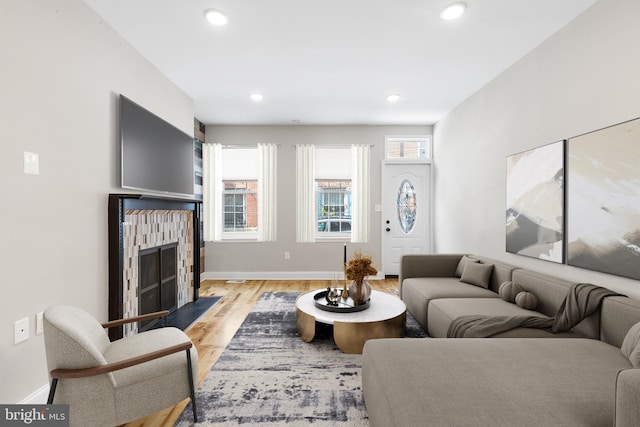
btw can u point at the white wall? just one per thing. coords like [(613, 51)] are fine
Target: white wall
[(62, 69), (583, 78), (266, 259)]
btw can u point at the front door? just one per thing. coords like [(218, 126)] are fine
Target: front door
[(406, 213)]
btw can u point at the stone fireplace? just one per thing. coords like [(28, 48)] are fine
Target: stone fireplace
[(140, 226)]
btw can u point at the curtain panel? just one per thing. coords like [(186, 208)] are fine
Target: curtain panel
[(267, 196), (212, 191), (305, 194), (360, 158)]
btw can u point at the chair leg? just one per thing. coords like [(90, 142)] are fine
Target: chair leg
[(52, 390), (191, 386)]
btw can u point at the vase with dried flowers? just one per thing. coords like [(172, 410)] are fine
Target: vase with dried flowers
[(357, 270)]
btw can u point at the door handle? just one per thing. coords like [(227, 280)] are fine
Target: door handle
[(388, 229)]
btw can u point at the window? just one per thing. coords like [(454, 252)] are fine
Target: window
[(333, 192), (334, 206), (332, 199), (240, 210), (408, 148), (239, 193)]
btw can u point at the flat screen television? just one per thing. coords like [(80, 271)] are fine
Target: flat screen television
[(155, 155)]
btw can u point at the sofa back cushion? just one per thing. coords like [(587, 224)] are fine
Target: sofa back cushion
[(618, 315), (551, 292)]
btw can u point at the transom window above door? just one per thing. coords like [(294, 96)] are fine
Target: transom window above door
[(408, 149)]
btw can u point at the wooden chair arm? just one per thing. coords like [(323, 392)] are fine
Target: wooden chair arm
[(122, 364), (120, 322)]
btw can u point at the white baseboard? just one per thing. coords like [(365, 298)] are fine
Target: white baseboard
[(38, 397), (276, 275)]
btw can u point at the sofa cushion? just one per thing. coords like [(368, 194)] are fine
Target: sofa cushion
[(443, 312), (463, 261), (418, 291), (508, 291), (631, 345), (526, 300), (472, 382), (477, 274)]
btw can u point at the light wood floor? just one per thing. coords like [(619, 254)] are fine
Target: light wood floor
[(214, 330)]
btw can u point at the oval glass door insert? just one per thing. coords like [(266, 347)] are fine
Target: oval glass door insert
[(406, 206)]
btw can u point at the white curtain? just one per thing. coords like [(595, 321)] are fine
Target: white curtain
[(212, 191), (267, 197), (305, 194), (360, 159)]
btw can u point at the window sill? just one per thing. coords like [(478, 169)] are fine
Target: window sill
[(333, 238), (239, 237)]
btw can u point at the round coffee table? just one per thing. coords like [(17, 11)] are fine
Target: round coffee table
[(385, 318)]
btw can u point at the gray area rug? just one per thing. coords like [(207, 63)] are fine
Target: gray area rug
[(268, 376)]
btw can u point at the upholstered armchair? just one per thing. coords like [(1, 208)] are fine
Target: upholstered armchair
[(111, 383)]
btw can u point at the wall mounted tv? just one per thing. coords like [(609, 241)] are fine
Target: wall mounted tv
[(155, 155)]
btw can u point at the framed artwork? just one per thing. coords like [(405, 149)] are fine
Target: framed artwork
[(603, 200), (535, 203)]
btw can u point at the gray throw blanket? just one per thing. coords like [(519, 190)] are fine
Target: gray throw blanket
[(581, 302)]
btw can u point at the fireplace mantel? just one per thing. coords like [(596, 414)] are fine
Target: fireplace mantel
[(119, 204)]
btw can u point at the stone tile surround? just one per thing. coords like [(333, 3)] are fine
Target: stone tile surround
[(144, 229)]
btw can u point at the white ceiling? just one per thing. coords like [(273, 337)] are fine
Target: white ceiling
[(333, 61)]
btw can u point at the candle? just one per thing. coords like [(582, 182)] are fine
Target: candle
[(345, 255)]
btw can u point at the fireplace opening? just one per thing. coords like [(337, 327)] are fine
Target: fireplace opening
[(157, 288)]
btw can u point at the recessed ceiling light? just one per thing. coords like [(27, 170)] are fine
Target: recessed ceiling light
[(393, 97), (216, 17), (257, 96), (453, 11)]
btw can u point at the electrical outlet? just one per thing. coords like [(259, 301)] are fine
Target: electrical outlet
[(39, 325), (21, 330), (287, 255)]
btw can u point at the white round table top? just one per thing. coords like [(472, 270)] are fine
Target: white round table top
[(383, 306)]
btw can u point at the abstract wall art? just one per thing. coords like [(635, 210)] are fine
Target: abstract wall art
[(603, 200), (535, 203)]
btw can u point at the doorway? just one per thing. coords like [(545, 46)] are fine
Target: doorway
[(406, 212)]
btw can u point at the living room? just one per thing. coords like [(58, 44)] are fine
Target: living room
[(64, 68)]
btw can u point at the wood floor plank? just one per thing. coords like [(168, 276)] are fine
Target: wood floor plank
[(213, 331)]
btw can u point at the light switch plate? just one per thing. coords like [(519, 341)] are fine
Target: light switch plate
[(31, 163)]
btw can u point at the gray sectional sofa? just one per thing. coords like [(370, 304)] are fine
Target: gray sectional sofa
[(586, 376), (434, 290)]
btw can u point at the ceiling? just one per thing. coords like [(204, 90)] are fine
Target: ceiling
[(333, 61)]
